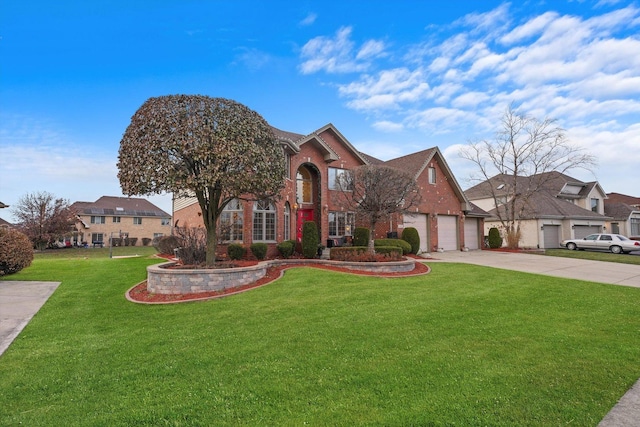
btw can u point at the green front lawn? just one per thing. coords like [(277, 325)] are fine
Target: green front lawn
[(464, 345), (595, 256)]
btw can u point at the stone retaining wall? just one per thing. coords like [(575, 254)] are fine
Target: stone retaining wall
[(176, 281)]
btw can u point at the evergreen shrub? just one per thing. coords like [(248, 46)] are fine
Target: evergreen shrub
[(259, 250), (405, 246), (236, 251), (411, 236), (495, 240), (310, 239), (361, 236), (286, 248)]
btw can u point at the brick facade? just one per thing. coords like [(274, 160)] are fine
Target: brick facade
[(318, 152)]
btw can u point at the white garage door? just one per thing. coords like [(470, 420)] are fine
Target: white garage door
[(471, 233), (447, 232), (419, 222), (582, 231), (551, 234)]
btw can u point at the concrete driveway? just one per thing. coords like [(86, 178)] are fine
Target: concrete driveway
[(594, 271), (19, 302)]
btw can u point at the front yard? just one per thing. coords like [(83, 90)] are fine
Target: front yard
[(632, 258), (464, 345)]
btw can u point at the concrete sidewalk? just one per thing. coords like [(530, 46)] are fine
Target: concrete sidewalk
[(626, 413), (593, 271), (19, 302)]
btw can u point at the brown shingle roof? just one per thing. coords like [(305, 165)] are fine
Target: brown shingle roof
[(412, 163), (622, 198), (120, 206)]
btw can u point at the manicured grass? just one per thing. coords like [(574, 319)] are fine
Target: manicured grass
[(464, 345), (595, 256), (81, 253)]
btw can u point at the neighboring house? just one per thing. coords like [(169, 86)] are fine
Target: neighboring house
[(562, 208), (2, 205), (625, 214), (313, 163), (5, 224), (119, 218)]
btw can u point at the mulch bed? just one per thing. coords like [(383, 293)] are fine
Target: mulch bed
[(140, 294)]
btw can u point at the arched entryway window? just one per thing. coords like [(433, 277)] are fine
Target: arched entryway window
[(304, 187), (264, 221)]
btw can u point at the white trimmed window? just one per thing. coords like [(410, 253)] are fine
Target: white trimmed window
[(98, 220), (339, 223), (231, 222), (335, 175), (432, 175), (137, 220), (264, 221)]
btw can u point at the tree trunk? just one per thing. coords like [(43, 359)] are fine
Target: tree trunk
[(371, 247), (212, 245)]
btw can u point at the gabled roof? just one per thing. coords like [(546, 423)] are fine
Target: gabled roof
[(622, 198), (620, 211), (543, 204), (476, 212), (296, 140), (119, 206), (555, 183), (4, 223), (417, 162)]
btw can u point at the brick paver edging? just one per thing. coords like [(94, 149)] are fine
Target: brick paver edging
[(161, 280)]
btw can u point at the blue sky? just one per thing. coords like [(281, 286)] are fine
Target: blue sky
[(393, 77)]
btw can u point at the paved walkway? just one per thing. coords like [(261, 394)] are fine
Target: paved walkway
[(19, 302), (626, 413)]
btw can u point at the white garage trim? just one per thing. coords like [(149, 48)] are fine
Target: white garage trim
[(419, 222), (448, 232), (471, 233)]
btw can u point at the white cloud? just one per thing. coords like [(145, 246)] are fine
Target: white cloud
[(310, 19), (388, 126), (338, 54)]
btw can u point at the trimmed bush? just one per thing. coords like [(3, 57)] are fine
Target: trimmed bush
[(361, 236), (133, 241), (259, 250), (236, 251), (399, 243), (411, 236), (286, 248), (495, 240), (391, 252), (310, 239), (361, 254), (166, 244), (16, 251), (146, 241)]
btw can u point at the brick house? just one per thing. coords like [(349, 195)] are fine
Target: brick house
[(313, 162), (121, 218)]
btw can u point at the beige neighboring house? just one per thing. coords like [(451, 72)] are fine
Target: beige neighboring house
[(3, 223), (563, 208), (625, 214), (120, 218)]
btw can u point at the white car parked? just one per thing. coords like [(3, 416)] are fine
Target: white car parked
[(604, 242)]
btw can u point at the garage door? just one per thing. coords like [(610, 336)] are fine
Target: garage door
[(419, 222), (471, 233), (447, 232), (551, 235), (582, 231)]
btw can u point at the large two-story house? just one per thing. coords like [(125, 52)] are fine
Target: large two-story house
[(313, 163), (134, 219), (561, 207)]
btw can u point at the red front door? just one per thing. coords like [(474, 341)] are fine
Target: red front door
[(303, 216)]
